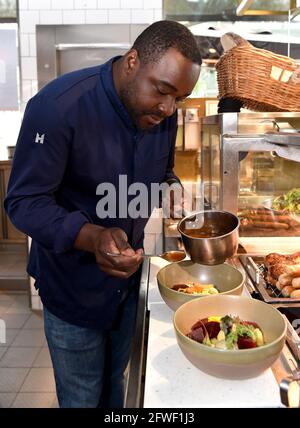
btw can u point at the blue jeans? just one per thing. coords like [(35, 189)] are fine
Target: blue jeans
[(89, 364)]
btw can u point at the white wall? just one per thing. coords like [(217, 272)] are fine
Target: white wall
[(52, 12), (9, 129)]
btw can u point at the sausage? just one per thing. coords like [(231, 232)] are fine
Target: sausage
[(293, 223), (293, 270), (275, 219), (283, 218), (270, 225), (279, 286), (285, 279), (295, 294), (287, 290), (246, 226), (296, 282)]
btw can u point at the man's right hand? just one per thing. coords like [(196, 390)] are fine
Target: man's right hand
[(100, 241)]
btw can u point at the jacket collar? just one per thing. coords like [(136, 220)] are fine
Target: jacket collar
[(109, 88)]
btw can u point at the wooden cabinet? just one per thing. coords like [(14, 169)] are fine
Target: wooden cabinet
[(8, 233)]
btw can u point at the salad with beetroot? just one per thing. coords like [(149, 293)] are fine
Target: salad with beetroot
[(228, 333)]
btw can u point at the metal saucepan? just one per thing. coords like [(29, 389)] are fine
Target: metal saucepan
[(213, 240)]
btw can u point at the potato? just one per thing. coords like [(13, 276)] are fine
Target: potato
[(259, 337), (221, 335)]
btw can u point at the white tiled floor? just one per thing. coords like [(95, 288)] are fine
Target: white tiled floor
[(26, 375), (13, 264)]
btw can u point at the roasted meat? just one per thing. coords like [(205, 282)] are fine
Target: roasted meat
[(276, 263), (275, 258), (278, 268)]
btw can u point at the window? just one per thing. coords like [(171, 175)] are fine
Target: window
[(203, 10), (10, 116), (8, 10), (8, 67), (275, 29)]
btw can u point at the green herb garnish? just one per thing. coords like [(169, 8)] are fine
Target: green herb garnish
[(239, 331), (226, 324)]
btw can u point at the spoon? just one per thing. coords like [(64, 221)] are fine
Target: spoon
[(169, 256), (195, 220)]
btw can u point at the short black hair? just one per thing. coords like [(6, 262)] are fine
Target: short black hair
[(152, 44)]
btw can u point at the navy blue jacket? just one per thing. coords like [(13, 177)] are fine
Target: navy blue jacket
[(77, 134)]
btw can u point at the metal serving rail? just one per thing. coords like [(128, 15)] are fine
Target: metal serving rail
[(134, 375)]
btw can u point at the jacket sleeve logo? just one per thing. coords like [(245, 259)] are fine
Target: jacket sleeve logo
[(39, 139)]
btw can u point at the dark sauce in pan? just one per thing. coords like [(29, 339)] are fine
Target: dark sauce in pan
[(207, 231)]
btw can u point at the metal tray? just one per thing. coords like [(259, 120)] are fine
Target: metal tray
[(283, 138), (289, 308), (254, 266)]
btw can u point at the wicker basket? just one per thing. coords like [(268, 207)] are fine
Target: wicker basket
[(260, 79)]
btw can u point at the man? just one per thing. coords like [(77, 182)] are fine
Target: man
[(83, 129)]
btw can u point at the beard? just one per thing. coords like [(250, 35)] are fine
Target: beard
[(129, 97)]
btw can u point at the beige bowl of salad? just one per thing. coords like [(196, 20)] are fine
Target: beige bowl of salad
[(248, 340), (181, 282)]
